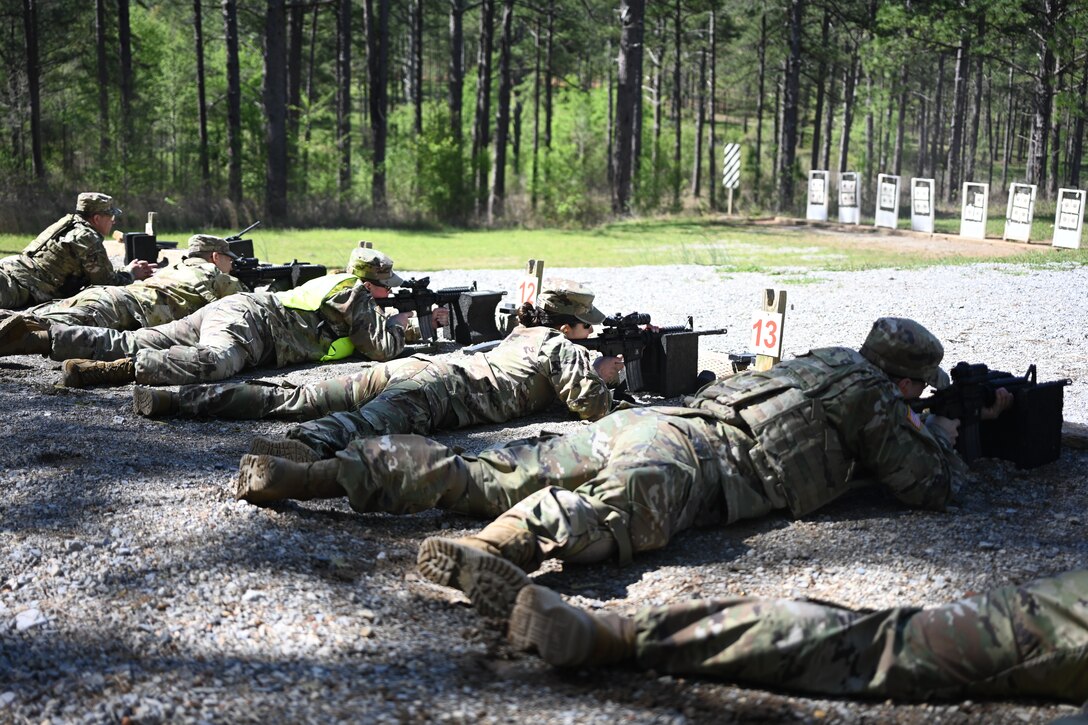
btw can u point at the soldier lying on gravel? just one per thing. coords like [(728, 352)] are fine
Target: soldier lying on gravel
[(788, 438), (66, 257), (328, 318), (1025, 641), (531, 369), (172, 293)]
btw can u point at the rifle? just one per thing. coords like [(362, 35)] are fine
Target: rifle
[(473, 311), (664, 361), (254, 273), (1029, 433)]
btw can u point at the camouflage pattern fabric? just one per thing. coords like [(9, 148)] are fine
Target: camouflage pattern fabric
[(789, 438), (171, 294), (1029, 641), (63, 259), (527, 372), (234, 333)]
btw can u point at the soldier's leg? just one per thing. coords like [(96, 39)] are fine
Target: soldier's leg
[(111, 307), (94, 343), (230, 338), (12, 294)]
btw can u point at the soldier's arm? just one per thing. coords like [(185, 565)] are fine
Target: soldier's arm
[(576, 382), (915, 461), (92, 256), (224, 285), (372, 334)]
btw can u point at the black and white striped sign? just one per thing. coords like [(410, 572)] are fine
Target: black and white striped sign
[(731, 166)]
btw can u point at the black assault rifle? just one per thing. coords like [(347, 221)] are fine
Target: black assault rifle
[(664, 361), (1029, 433), (472, 318), (254, 273)]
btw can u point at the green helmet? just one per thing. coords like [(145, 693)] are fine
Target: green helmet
[(904, 349)]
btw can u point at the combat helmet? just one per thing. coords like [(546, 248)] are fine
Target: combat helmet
[(904, 349)]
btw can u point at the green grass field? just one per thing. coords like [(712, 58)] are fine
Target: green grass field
[(730, 246)]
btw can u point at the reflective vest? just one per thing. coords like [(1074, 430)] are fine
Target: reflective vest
[(312, 295)]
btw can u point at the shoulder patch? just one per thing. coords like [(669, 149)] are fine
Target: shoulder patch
[(913, 418)]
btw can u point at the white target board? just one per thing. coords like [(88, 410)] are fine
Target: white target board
[(976, 200), (766, 333), (1069, 218), (530, 284), (921, 205), (849, 198), (887, 201), (1020, 212), (817, 196)]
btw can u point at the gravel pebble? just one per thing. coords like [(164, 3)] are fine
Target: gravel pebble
[(133, 587)]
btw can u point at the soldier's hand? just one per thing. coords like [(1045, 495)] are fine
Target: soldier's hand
[(401, 319), (441, 316), (609, 368), (1002, 402), (139, 269), (950, 426)]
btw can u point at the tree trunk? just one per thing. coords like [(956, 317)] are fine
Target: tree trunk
[(33, 74), (676, 90), (636, 123), (457, 66), (201, 99), (711, 141), (496, 203), (536, 114), (311, 91), (700, 117), (515, 140), (869, 131), (124, 44), (991, 144), (1051, 189), (790, 103), (825, 155), (377, 57), (849, 97), (821, 80), (275, 108), (548, 68), (900, 126), (761, 53), (659, 71), (1042, 97), (234, 103), (938, 127), (417, 64), (611, 124), (959, 113), (343, 101), (973, 126), (481, 126), (923, 136), (104, 76), (627, 92), (1077, 152)]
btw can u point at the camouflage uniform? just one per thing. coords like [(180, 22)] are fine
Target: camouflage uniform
[(1026, 641), (169, 295), (523, 375), (788, 438), (243, 330), (64, 258)]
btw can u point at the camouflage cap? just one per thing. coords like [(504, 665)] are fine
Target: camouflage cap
[(374, 267), (92, 202), (204, 243), (564, 297), (904, 349)]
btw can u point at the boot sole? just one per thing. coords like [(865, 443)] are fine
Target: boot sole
[(490, 582), (254, 473), (143, 402), (288, 448), (541, 620), (70, 376)]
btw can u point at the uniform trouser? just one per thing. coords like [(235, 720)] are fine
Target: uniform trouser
[(112, 307), (213, 343), (626, 483), (1028, 641), (255, 400), (415, 401), (13, 295)]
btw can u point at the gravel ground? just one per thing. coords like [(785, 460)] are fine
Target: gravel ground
[(133, 588)]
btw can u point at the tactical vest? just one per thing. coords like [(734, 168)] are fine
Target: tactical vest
[(186, 273), (312, 295), (798, 452), (48, 256)]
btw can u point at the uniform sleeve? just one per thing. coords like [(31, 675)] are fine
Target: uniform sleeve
[(916, 462), (89, 250), (575, 381), (224, 285), (372, 334)]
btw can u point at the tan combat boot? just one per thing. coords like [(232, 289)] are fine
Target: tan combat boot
[(289, 448), (566, 636), (488, 567), (85, 373), (264, 479), (153, 402), (20, 337)]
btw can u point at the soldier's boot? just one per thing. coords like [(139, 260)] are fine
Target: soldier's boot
[(264, 479), (19, 337), (488, 567), (85, 373), (289, 448), (153, 402), (566, 636)]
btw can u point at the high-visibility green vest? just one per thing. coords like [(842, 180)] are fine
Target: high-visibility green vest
[(311, 296)]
